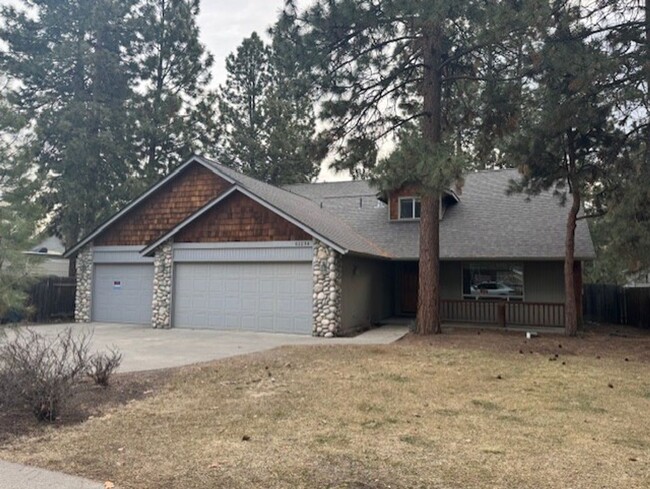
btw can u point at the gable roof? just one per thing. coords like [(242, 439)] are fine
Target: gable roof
[(103, 226), (487, 224), (349, 216)]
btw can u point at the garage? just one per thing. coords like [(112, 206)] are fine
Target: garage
[(270, 297), (122, 293)]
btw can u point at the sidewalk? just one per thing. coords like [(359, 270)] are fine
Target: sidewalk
[(14, 476)]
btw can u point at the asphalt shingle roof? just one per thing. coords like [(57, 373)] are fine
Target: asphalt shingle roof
[(486, 223), (306, 211)]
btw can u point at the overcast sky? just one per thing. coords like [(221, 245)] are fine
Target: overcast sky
[(224, 23)]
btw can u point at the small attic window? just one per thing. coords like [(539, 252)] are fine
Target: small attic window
[(409, 208)]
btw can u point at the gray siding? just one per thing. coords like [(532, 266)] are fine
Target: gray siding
[(544, 281), (119, 254), (244, 252), (367, 292), (451, 280)]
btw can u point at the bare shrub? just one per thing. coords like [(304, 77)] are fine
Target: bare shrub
[(102, 365), (39, 371)]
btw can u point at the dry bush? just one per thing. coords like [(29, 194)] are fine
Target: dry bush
[(39, 371), (102, 365)]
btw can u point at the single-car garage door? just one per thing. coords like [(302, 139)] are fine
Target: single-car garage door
[(123, 293), (274, 297)]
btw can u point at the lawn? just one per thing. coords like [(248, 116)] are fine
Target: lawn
[(459, 411)]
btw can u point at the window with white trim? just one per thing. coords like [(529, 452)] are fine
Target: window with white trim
[(409, 208)]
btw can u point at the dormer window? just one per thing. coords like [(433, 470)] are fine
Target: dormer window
[(409, 208)]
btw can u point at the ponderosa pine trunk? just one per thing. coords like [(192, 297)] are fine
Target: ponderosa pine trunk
[(571, 306), (428, 311)]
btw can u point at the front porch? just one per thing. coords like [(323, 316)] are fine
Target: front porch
[(501, 294)]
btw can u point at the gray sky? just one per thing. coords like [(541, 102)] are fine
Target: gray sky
[(224, 23)]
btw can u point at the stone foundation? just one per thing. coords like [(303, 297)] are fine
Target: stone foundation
[(327, 265), (84, 293), (162, 287)]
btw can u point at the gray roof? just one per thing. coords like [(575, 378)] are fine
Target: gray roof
[(304, 210), (486, 223)]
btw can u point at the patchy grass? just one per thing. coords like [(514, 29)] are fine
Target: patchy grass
[(418, 414)]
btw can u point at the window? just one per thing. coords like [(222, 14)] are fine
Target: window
[(409, 208), (497, 280)]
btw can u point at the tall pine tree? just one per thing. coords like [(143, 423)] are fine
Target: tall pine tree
[(568, 142), (176, 112), (73, 66), (387, 65), (267, 111)]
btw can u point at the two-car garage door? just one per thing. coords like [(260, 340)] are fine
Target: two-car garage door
[(274, 297)]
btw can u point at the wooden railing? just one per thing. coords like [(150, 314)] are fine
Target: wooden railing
[(503, 313)]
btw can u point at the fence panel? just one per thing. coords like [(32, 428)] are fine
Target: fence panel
[(617, 305), (53, 298)]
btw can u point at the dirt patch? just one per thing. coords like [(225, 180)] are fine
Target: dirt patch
[(88, 401), (458, 410), (594, 340)]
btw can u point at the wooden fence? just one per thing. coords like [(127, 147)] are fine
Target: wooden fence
[(52, 298), (504, 313), (617, 305)]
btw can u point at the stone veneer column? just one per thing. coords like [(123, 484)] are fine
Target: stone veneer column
[(327, 266), (162, 287), (84, 292)]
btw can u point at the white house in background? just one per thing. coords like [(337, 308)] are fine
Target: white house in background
[(51, 262)]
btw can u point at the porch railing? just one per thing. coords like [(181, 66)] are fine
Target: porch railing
[(503, 313)]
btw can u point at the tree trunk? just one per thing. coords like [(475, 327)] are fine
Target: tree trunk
[(428, 313), (571, 306)]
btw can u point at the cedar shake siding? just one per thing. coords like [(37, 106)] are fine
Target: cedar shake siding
[(240, 218), (393, 201), (171, 204)]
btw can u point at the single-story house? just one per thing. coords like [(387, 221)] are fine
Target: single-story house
[(208, 247), (50, 261)]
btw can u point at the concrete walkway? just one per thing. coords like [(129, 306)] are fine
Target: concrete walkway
[(144, 348), (14, 476)]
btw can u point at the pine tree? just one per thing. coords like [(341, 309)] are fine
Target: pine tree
[(396, 64), (568, 141), (241, 107), (267, 111), (18, 216), (73, 67), (177, 112)]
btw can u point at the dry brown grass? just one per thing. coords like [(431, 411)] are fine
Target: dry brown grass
[(410, 415)]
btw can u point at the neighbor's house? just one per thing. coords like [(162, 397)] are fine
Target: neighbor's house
[(208, 247), (49, 258)]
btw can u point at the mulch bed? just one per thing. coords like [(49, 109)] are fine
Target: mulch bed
[(88, 400)]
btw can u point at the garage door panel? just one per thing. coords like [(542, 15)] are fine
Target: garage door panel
[(243, 296), (123, 293)]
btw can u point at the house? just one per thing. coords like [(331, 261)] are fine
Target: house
[(49, 258), (208, 247)]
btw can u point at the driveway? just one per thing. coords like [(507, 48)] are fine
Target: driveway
[(144, 348)]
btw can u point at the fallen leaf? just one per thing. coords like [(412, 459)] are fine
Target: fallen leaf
[(108, 485)]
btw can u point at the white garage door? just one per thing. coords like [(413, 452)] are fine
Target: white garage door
[(273, 297), (123, 293)]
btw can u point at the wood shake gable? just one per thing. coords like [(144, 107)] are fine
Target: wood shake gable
[(239, 218), (190, 190)]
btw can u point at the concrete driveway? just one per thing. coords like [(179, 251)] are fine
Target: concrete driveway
[(144, 348)]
